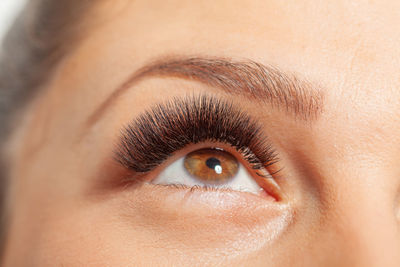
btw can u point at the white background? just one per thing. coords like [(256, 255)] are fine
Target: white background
[(8, 10)]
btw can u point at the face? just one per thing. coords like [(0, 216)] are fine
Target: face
[(214, 133)]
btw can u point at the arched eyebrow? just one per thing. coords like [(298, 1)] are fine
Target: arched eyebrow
[(247, 78)]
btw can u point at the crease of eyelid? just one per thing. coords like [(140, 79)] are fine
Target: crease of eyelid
[(248, 78)]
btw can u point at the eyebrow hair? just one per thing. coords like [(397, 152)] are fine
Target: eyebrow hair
[(243, 78)]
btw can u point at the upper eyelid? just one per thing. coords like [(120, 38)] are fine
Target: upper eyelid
[(146, 143)]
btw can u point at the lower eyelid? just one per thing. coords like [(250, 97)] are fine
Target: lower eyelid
[(198, 197), (198, 214)]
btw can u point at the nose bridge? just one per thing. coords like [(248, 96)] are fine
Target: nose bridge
[(361, 217)]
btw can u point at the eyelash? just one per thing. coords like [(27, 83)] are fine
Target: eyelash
[(158, 133)]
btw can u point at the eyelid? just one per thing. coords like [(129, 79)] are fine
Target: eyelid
[(168, 127), (152, 138)]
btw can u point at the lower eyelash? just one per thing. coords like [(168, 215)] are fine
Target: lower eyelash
[(166, 128), (194, 188)]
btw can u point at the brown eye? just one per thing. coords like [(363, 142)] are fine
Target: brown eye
[(211, 165)]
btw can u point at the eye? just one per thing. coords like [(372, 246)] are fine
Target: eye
[(209, 168), (211, 165), (153, 140)]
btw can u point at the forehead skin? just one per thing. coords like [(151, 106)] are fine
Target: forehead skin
[(350, 49)]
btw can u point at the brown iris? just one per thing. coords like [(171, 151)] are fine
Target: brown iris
[(211, 165)]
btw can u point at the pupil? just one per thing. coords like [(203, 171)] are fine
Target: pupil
[(214, 164)]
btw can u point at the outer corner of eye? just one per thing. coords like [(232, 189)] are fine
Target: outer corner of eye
[(217, 169)]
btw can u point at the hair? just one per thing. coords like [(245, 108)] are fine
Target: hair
[(41, 35)]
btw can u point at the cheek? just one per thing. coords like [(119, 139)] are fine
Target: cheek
[(89, 235), (142, 228)]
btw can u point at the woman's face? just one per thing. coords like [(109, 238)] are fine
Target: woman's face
[(238, 133)]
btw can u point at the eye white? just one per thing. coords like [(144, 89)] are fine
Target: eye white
[(176, 174)]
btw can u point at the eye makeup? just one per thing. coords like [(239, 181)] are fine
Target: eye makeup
[(166, 128)]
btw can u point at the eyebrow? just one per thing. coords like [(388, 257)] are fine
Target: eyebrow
[(247, 78)]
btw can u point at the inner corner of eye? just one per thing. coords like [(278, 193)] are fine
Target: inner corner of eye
[(209, 168)]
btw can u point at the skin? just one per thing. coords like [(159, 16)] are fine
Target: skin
[(341, 171)]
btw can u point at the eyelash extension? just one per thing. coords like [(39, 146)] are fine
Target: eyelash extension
[(168, 127)]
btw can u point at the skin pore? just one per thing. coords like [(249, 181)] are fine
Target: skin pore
[(339, 172)]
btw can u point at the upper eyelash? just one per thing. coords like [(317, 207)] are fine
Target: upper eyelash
[(155, 135)]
